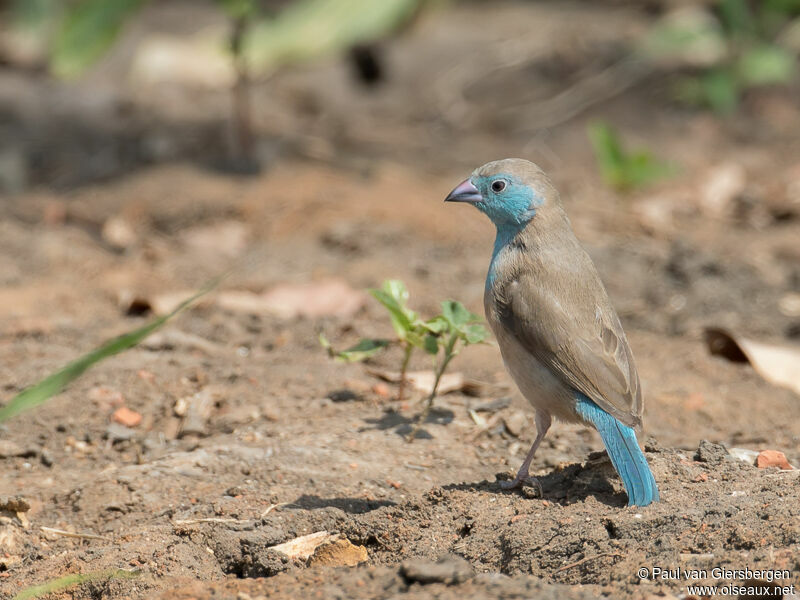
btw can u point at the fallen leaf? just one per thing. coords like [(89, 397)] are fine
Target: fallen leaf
[(305, 545), (338, 553), (773, 458), (328, 298), (127, 417), (775, 363), (227, 238), (424, 380)]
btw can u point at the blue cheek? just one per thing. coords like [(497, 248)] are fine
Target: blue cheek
[(514, 206)]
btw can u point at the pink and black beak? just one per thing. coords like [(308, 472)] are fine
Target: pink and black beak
[(464, 192)]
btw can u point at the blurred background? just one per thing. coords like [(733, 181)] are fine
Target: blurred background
[(146, 146)]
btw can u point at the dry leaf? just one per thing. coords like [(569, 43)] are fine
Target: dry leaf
[(424, 380), (327, 298), (305, 545), (775, 363), (451, 382), (338, 553), (228, 238)]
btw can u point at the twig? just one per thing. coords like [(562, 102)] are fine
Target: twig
[(70, 534), (272, 507), (586, 559), (209, 520)]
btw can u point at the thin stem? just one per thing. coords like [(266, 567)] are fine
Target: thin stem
[(406, 359), (242, 121), (449, 354)]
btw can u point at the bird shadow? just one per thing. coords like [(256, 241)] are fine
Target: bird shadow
[(565, 485), (403, 425), (353, 506)]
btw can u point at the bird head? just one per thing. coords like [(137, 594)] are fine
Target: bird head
[(510, 191)]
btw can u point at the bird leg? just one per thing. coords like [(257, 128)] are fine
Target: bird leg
[(543, 421)]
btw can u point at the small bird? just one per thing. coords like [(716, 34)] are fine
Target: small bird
[(559, 336)]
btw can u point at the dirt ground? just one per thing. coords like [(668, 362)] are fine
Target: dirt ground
[(289, 442)]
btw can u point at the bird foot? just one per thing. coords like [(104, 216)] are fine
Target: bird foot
[(519, 481)]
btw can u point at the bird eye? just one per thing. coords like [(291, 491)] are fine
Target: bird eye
[(498, 185)]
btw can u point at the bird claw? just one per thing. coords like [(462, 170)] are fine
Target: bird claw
[(519, 481)]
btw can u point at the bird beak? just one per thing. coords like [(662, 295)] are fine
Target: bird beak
[(464, 192)]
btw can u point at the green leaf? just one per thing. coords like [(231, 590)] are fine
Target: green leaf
[(400, 320), (62, 583), (397, 290), (49, 386), (88, 30), (431, 344), (416, 337), (608, 153), (238, 9), (437, 324), (720, 90), (765, 65), (475, 334), (308, 29), (362, 350), (736, 16), (620, 169), (689, 37), (456, 314), (35, 13)]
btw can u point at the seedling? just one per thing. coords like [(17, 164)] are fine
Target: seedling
[(620, 168), (442, 336)]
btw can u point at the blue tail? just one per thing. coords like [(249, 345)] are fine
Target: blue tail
[(624, 452)]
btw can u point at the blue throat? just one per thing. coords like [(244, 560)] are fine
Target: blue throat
[(506, 232), (510, 210)]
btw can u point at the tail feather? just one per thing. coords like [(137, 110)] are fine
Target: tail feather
[(624, 452)]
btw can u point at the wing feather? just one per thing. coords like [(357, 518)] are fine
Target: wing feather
[(584, 344)]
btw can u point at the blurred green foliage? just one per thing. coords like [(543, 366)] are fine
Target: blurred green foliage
[(80, 32), (735, 46), (67, 581), (87, 31), (622, 169)]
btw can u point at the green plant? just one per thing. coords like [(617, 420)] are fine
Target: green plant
[(441, 336), (53, 384), (738, 46), (621, 169), (68, 581)]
